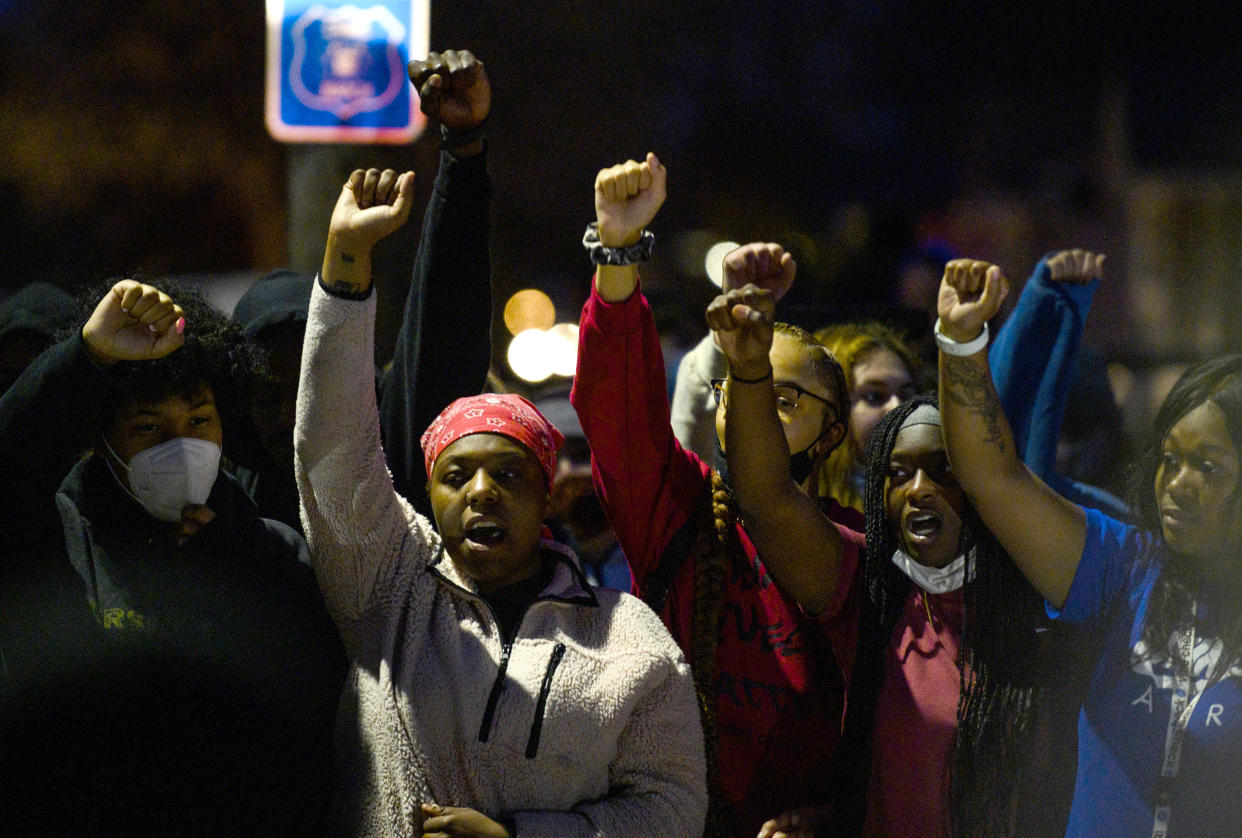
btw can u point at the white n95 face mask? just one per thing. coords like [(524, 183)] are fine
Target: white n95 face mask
[(936, 580), (168, 477)]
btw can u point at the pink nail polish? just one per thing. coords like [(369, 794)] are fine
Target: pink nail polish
[(180, 327)]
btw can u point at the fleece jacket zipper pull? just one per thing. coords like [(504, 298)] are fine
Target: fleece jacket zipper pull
[(494, 698), (536, 727)]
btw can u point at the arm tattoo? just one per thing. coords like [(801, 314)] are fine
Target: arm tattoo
[(345, 288), (970, 386), (347, 258)]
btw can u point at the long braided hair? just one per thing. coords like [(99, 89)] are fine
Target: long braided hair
[(715, 545), (998, 655), (1219, 381)]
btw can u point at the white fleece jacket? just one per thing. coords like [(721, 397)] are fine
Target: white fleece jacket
[(586, 726)]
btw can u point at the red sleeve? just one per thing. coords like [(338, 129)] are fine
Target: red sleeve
[(647, 482), (840, 619)]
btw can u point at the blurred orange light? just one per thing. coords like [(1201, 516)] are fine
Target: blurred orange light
[(529, 309)]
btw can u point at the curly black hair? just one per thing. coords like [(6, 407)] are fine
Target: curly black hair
[(998, 664), (215, 354)]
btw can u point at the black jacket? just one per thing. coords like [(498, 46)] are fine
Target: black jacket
[(151, 688)]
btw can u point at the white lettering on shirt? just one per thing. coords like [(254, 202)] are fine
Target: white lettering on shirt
[(1213, 715)]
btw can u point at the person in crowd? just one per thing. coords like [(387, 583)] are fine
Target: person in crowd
[(273, 313), (881, 372), (178, 672), (451, 281), (769, 687), (29, 320), (492, 690), (933, 625), (1157, 747), (576, 510)]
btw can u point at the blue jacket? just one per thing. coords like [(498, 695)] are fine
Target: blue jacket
[(1032, 360)]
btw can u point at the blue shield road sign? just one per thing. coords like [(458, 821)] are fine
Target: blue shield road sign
[(336, 71)]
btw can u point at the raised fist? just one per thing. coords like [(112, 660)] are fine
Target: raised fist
[(372, 204), (133, 322), (627, 198), (742, 322), (971, 294), (1077, 266), (452, 89), (766, 265)]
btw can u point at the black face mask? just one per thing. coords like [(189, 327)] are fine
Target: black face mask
[(799, 464), (720, 463)]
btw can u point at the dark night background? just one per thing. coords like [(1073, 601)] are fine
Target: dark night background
[(853, 132)]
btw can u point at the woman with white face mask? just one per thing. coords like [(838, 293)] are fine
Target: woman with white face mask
[(184, 631), (932, 626)]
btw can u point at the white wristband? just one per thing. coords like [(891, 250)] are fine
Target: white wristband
[(951, 347)]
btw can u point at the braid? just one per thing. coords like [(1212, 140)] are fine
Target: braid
[(999, 688), (715, 537), (997, 665), (885, 589)]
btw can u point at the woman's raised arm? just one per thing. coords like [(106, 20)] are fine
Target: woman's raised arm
[(1043, 532)]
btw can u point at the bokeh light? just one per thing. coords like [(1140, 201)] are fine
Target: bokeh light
[(537, 354), (565, 338), (713, 262), (529, 308), (530, 355)]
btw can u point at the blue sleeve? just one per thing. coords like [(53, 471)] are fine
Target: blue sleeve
[(1032, 361), (1090, 496), (444, 348), (1109, 563)]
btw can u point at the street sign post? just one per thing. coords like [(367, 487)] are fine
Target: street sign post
[(336, 70)]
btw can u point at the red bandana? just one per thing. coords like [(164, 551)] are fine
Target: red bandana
[(491, 413)]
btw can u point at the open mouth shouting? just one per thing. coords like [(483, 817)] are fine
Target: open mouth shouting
[(923, 503), (922, 527), (484, 534), (930, 536)]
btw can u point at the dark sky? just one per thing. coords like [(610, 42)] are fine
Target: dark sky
[(134, 133)]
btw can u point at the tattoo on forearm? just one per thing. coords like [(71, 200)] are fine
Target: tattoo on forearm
[(342, 287), (970, 386), (347, 258)]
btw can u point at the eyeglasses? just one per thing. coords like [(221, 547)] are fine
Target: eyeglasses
[(787, 397)]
